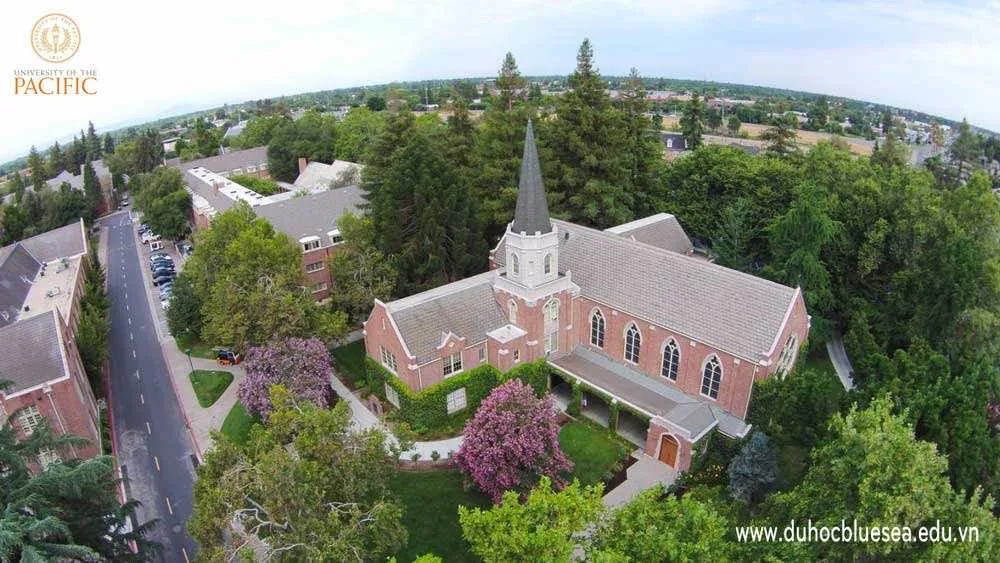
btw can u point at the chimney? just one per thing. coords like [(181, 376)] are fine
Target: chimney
[(302, 165)]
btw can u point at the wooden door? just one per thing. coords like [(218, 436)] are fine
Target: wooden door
[(668, 450)]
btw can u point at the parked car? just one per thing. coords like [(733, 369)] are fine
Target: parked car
[(226, 357), (165, 304), (158, 256), (185, 248), (161, 264), (150, 236), (166, 289), (164, 272), (163, 278)]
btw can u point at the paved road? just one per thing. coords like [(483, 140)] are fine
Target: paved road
[(153, 444)]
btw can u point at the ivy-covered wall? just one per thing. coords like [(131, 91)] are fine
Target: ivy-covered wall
[(426, 412)]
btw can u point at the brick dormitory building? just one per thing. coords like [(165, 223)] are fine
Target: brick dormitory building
[(41, 283), (306, 210), (630, 313)]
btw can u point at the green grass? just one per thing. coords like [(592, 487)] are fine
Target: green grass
[(819, 361), (593, 450), (209, 385), (351, 360), (431, 501), (238, 423), (198, 348)]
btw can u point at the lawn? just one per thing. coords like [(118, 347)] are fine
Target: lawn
[(593, 450), (198, 348), (819, 361), (351, 360), (430, 501), (238, 423), (209, 385)]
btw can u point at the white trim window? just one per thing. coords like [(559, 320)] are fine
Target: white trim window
[(482, 354), (633, 344), (512, 311), (788, 353), (317, 287), (452, 364), (388, 358), (671, 360), (315, 267), (597, 329), (552, 325), (310, 245), (392, 395), (517, 355), (457, 400), (29, 419), (515, 267), (48, 457), (335, 237), (548, 263), (711, 377)]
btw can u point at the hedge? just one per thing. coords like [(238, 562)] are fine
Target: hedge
[(426, 411)]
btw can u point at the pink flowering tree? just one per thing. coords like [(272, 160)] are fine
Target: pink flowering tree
[(302, 365), (512, 441)]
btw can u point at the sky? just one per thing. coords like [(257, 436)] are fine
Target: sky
[(159, 59)]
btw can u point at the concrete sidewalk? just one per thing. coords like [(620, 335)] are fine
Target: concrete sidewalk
[(840, 361)]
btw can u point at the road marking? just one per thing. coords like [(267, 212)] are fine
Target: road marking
[(130, 321), (133, 353), (156, 460), (130, 335), (148, 429), (126, 306), (126, 295), (170, 509), (142, 399), (185, 554), (137, 374)]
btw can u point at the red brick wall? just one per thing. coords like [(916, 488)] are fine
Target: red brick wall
[(321, 255), (379, 332), (654, 439), (798, 323), (737, 374)]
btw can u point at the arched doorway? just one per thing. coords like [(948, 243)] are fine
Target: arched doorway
[(668, 450)]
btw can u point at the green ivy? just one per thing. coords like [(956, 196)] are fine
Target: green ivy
[(426, 411), (573, 408), (613, 416)]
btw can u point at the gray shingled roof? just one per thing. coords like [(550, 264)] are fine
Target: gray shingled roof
[(17, 269), (729, 310), (65, 241), (466, 308), (75, 182), (226, 162), (532, 212), (661, 230), (29, 352), (219, 201), (313, 214)]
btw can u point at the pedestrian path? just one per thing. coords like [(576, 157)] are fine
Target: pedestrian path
[(841, 363)]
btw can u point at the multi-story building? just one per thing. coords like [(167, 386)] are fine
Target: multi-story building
[(41, 283), (630, 313)]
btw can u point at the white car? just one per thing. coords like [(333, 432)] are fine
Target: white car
[(150, 236), (165, 304)]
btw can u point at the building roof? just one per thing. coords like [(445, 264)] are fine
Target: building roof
[(674, 141), (30, 352), (723, 308), (225, 163), (532, 212), (313, 214), (318, 176), (75, 182), (17, 269), (661, 230), (466, 308), (68, 240)]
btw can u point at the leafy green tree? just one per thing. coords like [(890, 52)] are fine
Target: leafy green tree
[(109, 144), (91, 186), (965, 149), (586, 151), (375, 103), (693, 121), (311, 484), (357, 133), (56, 161), (542, 528), (656, 526), (731, 242), (36, 164), (184, 317), (257, 132), (165, 204), (360, 271), (780, 138), (642, 149), (733, 125), (795, 409)]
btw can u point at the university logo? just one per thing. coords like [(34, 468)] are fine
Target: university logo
[(55, 38)]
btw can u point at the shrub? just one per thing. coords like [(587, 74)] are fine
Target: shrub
[(415, 456), (573, 409), (754, 471), (512, 441), (435, 455)]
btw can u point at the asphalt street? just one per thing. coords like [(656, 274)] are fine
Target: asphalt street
[(153, 443)]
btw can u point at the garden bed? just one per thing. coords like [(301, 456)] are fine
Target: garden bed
[(209, 385)]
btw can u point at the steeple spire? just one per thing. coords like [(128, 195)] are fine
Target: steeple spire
[(532, 212)]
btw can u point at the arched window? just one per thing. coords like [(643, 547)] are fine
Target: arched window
[(633, 342), (552, 325), (514, 267), (671, 360), (512, 311), (597, 329), (711, 377), (787, 358), (548, 263)]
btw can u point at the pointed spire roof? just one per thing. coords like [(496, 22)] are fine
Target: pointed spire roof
[(532, 212)]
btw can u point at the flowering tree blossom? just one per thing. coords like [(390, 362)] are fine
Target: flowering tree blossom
[(512, 441), (301, 365)]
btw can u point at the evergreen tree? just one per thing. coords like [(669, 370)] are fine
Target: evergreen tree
[(587, 150), (109, 144), (780, 138), (965, 149), (643, 149), (91, 186), (36, 164), (693, 121), (499, 144), (93, 143), (56, 162), (754, 471)]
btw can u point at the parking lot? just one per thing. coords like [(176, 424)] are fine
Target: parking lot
[(145, 251)]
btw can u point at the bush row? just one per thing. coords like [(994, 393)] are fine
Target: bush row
[(426, 411)]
